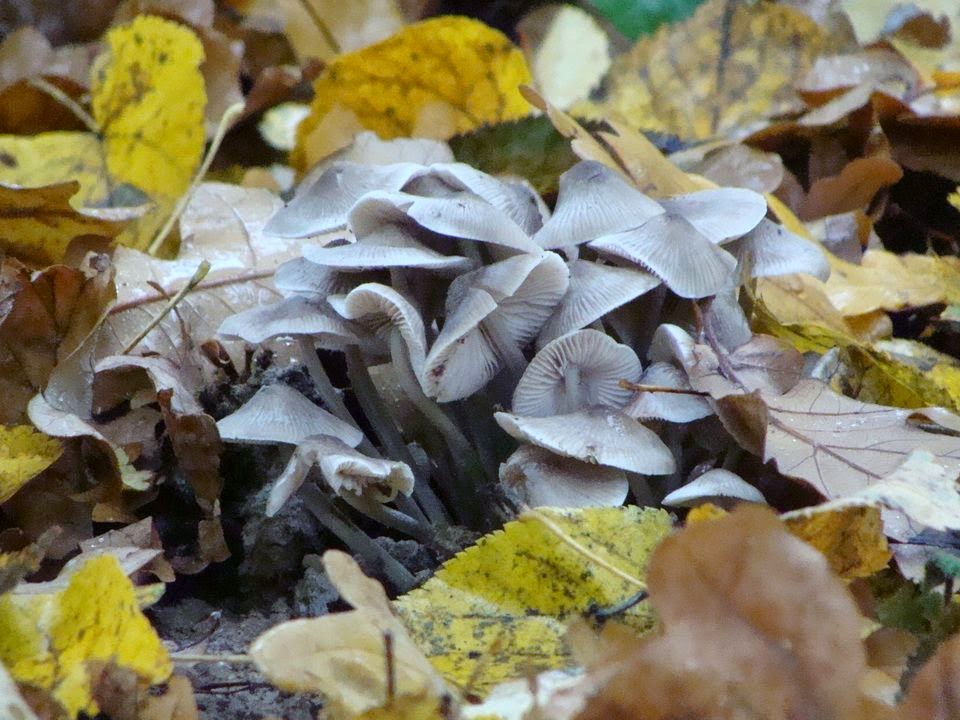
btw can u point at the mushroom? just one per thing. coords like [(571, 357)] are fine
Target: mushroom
[(719, 487), (279, 414), (594, 290), (600, 436), (303, 277), (719, 214), (670, 247), (492, 313), (574, 372), (323, 206), (771, 249), (676, 407), (593, 201), (541, 478)]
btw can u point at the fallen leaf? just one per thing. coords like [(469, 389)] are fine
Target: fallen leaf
[(12, 705), (454, 70), (850, 537), (502, 603), (934, 694), (46, 640), (716, 74), (24, 453)]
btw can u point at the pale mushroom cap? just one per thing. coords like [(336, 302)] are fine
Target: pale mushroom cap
[(467, 216), (292, 316), (672, 407), (601, 437), (323, 206), (517, 294), (382, 309), (594, 201), (574, 372), (390, 246), (279, 414), (771, 249), (675, 251), (718, 486), (720, 214), (302, 276), (594, 290), (543, 479)]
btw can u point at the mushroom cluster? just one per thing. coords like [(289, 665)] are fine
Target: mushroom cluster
[(458, 298)]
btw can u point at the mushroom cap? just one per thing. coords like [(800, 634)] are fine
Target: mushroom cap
[(770, 249), (517, 294), (595, 362), (469, 217), (380, 309), (295, 315), (323, 206), (301, 276), (279, 414), (344, 469), (675, 251), (602, 437), (718, 486), (594, 290), (542, 478), (720, 214), (594, 201), (672, 407)]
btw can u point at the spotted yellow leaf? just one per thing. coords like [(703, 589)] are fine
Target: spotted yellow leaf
[(496, 611), (851, 537), (147, 101), (47, 639), (24, 453), (435, 78), (729, 66)]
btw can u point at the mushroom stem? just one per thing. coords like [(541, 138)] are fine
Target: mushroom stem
[(506, 348), (572, 388), (386, 429), (328, 393), (357, 541), (388, 517)]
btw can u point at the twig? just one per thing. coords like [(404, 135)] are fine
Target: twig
[(68, 102), (202, 657), (321, 26), (641, 387), (195, 280)]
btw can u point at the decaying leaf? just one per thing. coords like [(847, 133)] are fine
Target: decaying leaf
[(714, 74), (24, 453), (502, 603), (436, 78), (850, 537), (47, 640)]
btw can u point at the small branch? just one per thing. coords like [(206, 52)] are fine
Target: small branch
[(640, 387), (68, 102), (201, 657), (229, 115), (195, 280), (321, 26)]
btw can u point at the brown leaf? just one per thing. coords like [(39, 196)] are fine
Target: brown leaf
[(935, 691), (852, 189)]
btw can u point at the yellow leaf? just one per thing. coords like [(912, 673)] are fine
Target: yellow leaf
[(47, 639), (451, 71), (24, 453), (496, 610), (38, 223), (850, 537), (704, 513), (148, 100), (729, 66)]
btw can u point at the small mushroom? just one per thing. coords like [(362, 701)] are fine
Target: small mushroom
[(295, 316), (279, 414), (541, 478), (673, 407), (346, 471), (594, 290), (594, 201), (719, 487), (323, 206), (492, 313), (771, 249), (303, 277), (671, 248), (598, 436), (720, 214), (574, 372)]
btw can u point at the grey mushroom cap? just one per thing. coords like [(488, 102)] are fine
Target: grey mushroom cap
[(301, 276), (594, 201), (675, 251), (595, 289), (292, 316), (491, 314), (345, 471), (574, 372), (601, 437), (719, 487), (770, 249), (542, 479), (279, 414), (672, 407), (720, 214), (323, 206)]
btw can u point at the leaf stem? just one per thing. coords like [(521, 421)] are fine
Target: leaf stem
[(202, 269), (68, 102), (321, 26)]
